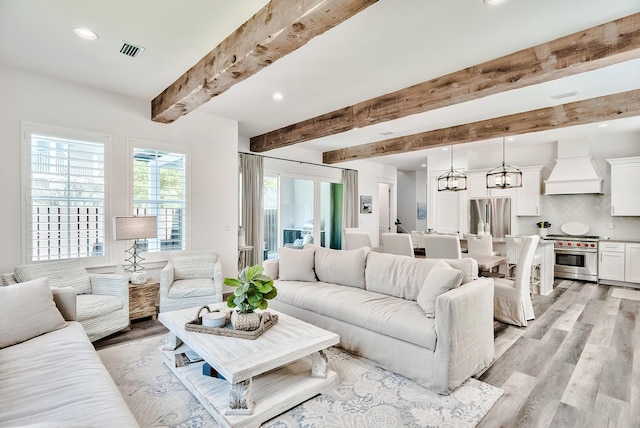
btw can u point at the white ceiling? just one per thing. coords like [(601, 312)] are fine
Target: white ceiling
[(388, 46)]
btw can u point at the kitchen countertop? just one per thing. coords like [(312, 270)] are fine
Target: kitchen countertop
[(631, 241)]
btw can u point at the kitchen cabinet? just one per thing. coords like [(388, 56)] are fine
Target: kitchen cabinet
[(528, 196), (632, 262), (447, 210), (525, 200), (625, 176), (611, 261)]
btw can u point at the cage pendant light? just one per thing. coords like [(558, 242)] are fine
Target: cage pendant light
[(504, 175), (452, 180)]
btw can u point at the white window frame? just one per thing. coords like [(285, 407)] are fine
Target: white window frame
[(27, 129), (174, 148)]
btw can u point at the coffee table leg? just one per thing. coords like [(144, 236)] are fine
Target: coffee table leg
[(319, 365), (240, 398)]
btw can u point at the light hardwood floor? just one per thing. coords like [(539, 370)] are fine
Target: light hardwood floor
[(576, 365)]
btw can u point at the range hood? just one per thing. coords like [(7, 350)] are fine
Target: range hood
[(575, 172)]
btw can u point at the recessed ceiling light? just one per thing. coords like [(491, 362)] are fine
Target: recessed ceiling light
[(511, 138), (423, 165), (493, 2), (277, 96), (445, 149), (85, 33), (603, 125)]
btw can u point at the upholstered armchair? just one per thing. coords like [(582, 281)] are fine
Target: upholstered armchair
[(190, 279), (101, 300)]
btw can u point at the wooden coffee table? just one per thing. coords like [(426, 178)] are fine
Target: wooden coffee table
[(264, 377)]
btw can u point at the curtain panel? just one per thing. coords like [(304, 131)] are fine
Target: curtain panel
[(252, 201), (350, 198)]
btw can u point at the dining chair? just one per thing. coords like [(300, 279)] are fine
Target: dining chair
[(514, 245), (511, 299), (442, 246), (397, 243), (355, 238), (479, 244)]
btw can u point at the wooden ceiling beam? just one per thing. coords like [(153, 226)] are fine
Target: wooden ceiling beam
[(609, 107), (279, 28), (587, 50)]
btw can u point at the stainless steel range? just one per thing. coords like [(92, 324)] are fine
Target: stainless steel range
[(576, 257)]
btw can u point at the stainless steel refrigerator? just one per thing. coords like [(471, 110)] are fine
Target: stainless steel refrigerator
[(494, 211)]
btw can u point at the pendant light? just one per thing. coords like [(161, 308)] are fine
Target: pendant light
[(451, 180), (504, 175)]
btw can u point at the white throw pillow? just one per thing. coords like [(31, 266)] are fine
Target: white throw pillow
[(342, 267), (27, 310), (438, 281), (296, 264)]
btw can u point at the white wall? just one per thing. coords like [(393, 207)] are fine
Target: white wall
[(407, 197), (212, 140)]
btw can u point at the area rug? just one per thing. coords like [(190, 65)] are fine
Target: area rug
[(367, 396), (623, 293)]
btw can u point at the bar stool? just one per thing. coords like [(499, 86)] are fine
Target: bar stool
[(514, 246)]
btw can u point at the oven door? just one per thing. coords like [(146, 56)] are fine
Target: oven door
[(576, 264)]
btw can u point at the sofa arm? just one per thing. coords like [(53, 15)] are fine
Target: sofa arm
[(8, 279), (65, 300), (166, 278), (464, 331), (109, 284), (271, 268)]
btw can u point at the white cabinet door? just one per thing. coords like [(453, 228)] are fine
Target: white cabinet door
[(611, 261), (477, 185), (528, 201), (447, 212), (632, 263), (625, 176)]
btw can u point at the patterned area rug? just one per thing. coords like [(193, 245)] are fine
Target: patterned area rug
[(367, 396)]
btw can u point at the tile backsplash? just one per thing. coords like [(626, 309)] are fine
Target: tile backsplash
[(592, 210)]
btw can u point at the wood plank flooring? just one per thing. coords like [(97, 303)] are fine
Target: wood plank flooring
[(576, 365)]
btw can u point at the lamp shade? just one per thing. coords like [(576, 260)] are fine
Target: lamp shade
[(135, 227)]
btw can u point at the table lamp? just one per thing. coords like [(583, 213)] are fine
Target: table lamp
[(135, 228)]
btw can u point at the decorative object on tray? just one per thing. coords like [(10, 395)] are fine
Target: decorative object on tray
[(253, 289), (265, 322)]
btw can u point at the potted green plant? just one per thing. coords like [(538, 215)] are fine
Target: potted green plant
[(542, 227), (252, 290)]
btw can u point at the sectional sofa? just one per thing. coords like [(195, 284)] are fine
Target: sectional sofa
[(50, 373), (430, 320)]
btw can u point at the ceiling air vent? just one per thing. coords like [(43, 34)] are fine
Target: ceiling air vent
[(131, 50)]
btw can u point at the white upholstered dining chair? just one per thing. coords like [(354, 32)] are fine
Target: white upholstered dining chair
[(442, 246), (397, 243), (355, 238), (511, 299)]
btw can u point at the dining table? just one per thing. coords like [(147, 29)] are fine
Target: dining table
[(488, 263)]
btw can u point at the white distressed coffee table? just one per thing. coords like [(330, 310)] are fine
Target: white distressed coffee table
[(264, 377)]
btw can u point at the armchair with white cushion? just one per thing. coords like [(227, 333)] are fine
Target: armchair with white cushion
[(101, 300), (189, 279)]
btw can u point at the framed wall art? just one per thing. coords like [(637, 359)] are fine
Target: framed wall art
[(365, 204)]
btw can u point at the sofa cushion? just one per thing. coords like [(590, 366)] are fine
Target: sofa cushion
[(343, 267), (296, 264), (61, 273), (27, 310), (89, 306), (398, 276), (438, 281), (196, 264), (467, 265), (200, 287), (398, 318)]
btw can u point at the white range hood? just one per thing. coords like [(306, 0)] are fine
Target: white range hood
[(575, 172)]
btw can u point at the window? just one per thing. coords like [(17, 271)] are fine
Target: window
[(64, 182), (159, 188)]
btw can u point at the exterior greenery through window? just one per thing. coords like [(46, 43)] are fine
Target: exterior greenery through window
[(65, 193), (159, 189)]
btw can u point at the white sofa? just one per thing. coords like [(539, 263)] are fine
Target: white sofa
[(50, 373), (430, 320)]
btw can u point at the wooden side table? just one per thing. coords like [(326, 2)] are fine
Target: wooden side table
[(143, 300)]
